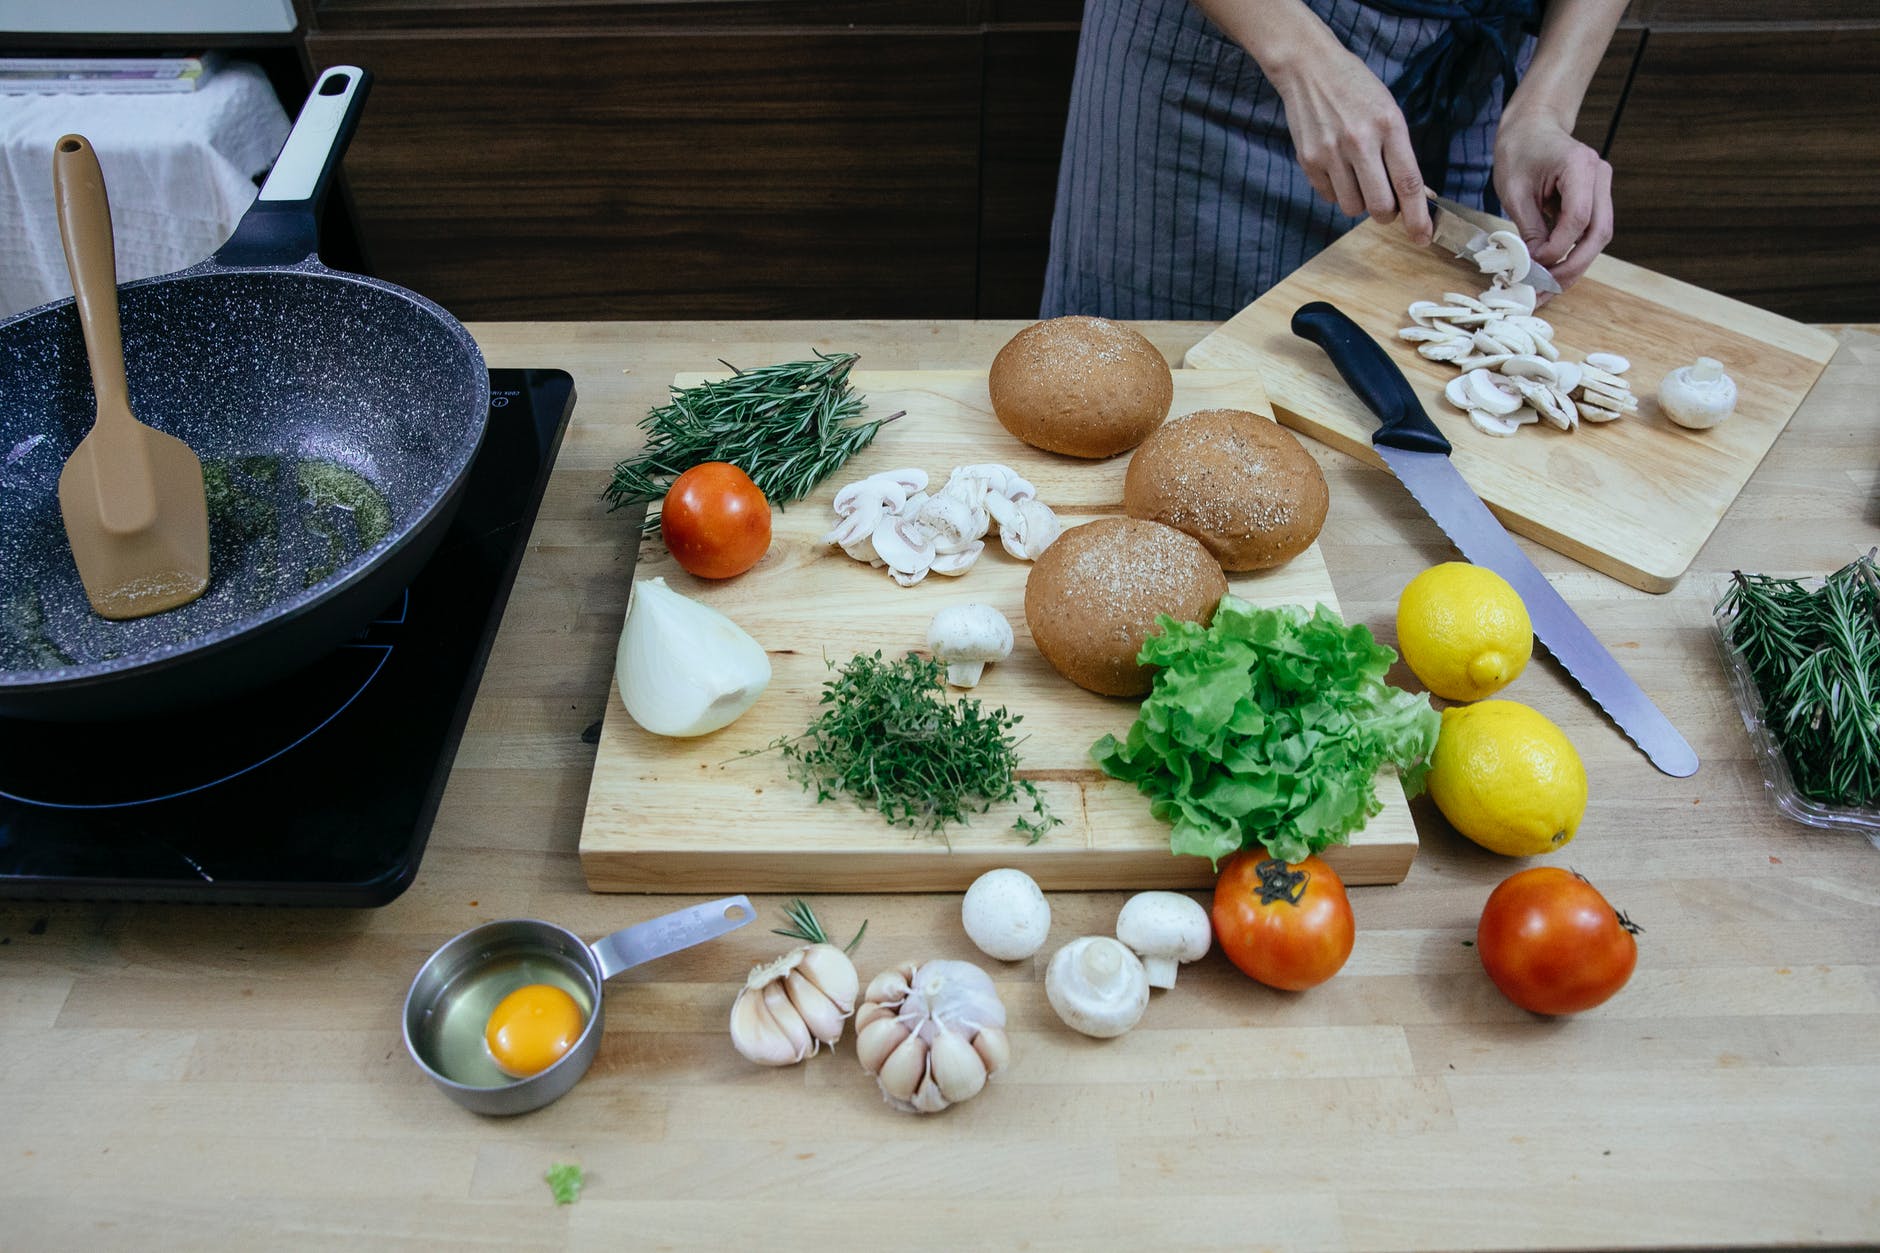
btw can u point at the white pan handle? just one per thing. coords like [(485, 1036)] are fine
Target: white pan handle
[(282, 226), (303, 163)]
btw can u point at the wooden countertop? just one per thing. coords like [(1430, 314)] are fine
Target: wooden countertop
[(187, 1077)]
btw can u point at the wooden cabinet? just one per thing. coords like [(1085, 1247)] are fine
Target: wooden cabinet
[(656, 174), (1748, 161)]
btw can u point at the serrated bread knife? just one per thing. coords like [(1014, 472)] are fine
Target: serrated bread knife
[(1418, 455)]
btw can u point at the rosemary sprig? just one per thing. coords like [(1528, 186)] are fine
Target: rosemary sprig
[(1815, 659), (788, 426), (805, 926), (889, 737)]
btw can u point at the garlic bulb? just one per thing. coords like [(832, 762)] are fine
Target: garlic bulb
[(931, 1033), (684, 668), (790, 1007)]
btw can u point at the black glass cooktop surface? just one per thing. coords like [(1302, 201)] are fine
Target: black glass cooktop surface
[(315, 790)]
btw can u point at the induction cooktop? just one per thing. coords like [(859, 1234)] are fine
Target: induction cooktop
[(318, 789)]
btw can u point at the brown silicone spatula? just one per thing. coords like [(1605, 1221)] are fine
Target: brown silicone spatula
[(132, 497)]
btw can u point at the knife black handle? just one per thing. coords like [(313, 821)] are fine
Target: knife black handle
[(1373, 376)]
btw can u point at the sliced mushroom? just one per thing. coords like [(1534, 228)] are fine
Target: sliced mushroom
[(1505, 256), (906, 549), (1026, 528), (1424, 312), (1530, 367), (959, 560), (890, 488), (1492, 392), (1593, 413), (1489, 424), (1611, 362), (1567, 374), (1426, 334), (1465, 301), (1456, 392), (1449, 350)]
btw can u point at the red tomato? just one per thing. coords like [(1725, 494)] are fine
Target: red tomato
[(715, 521), (1552, 944), (1287, 926)]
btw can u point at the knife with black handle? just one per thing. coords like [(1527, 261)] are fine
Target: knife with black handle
[(1418, 454)]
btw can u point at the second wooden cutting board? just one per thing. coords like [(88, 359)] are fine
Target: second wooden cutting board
[(1635, 498), (668, 815)]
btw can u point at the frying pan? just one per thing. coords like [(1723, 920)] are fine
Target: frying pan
[(336, 417)]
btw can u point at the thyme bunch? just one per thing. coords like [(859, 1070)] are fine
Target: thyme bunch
[(789, 426), (889, 737), (1815, 658)]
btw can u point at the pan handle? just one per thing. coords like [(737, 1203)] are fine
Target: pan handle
[(282, 227)]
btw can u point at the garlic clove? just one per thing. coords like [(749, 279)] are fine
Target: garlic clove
[(684, 669), (876, 1041), (892, 985), (830, 969), (820, 1014), (994, 1049), (957, 1069), (755, 1033), (928, 1099), (901, 1074), (795, 1030)]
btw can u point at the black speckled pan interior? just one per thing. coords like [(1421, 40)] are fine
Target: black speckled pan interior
[(336, 417)]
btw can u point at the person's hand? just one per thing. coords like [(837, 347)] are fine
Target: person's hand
[(1556, 190), (1351, 140)]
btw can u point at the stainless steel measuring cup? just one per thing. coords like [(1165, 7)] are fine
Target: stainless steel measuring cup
[(489, 952)]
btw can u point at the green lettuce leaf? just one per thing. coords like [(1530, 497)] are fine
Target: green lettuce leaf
[(1267, 728), (565, 1180)]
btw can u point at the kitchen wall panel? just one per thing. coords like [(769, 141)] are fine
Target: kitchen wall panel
[(1748, 161), (514, 174)]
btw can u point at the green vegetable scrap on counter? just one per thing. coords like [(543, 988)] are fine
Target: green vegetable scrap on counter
[(1268, 728), (565, 1180), (1815, 658), (889, 737), (787, 426)]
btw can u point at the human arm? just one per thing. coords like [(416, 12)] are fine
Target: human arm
[(1347, 131), (1558, 191)]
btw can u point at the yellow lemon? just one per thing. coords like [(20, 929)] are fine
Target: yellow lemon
[(1463, 630), (1507, 778)]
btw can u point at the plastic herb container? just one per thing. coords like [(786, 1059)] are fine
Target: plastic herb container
[(1775, 765)]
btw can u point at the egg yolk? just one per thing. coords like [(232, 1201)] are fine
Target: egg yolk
[(531, 1028)]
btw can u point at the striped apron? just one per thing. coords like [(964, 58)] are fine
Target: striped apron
[(1178, 194)]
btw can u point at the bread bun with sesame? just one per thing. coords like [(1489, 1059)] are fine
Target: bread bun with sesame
[(1241, 484), (1092, 598), (1088, 387)]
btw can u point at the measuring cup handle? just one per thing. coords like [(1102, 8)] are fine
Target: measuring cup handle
[(669, 933)]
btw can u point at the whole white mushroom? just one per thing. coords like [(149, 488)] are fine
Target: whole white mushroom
[(963, 638), (1097, 986), (1006, 915), (1164, 929), (1698, 396)]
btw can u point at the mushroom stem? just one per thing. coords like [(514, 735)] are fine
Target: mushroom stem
[(1161, 971), (965, 673), (1101, 964), (1707, 370)]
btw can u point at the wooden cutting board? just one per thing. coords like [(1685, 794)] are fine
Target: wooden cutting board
[(666, 815), (1635, 498)]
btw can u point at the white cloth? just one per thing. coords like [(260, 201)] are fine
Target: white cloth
[(179, 169)]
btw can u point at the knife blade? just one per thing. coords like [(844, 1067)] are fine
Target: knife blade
[(1418, 455), (1458, 230)]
